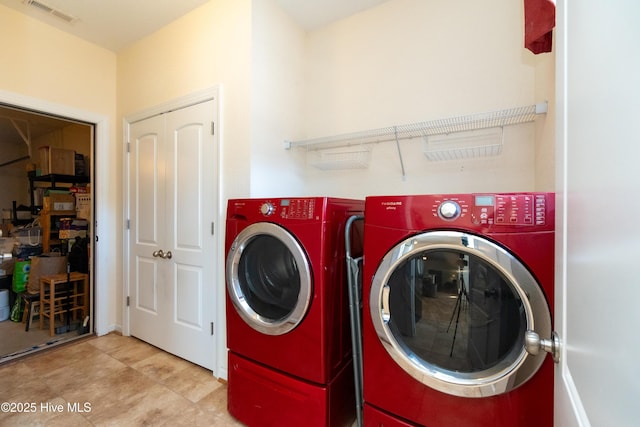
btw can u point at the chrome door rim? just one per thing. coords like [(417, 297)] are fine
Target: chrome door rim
[(515, 369), (236, 294)]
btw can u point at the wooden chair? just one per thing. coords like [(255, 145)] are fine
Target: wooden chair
[(63, 294), (31, 308)]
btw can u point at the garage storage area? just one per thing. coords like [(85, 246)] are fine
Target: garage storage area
[(47, 207)]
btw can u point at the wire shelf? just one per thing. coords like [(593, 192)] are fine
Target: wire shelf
[(342, 158), (470, 122), (464, 145)]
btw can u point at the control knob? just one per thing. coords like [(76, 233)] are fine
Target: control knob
[(449, 210), (267, 209)]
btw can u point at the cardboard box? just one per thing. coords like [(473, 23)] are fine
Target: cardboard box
[(59, 203), (70, 228), (6, 265), (57, 161), (83, 205)]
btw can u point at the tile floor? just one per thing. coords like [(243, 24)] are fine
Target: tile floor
[(110, 381)]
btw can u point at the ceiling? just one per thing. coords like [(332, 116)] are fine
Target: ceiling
[(115, 24)]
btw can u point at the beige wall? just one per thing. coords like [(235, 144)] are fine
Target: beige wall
[(50, 70), (545, 165), (45, 63), (415, 60), (211, 46), (409, 61), (207, 47)]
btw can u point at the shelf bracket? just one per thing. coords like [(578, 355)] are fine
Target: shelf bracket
[(25, 137), (404, 175)]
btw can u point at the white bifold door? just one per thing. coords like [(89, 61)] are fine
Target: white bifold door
[(172, 249)]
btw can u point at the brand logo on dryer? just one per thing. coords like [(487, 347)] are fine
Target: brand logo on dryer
[(391, 205)]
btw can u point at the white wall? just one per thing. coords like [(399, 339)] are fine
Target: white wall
[(277, 91), (597, 237), (407, 61)]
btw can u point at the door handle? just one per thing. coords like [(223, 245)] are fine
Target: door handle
[(534, 344), (385, 309), (161, 254)]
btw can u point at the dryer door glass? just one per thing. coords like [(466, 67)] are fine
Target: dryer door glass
[(268, 278), (453, 308)]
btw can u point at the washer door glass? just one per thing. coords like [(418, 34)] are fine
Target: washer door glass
[(452, 310), (268, 278)]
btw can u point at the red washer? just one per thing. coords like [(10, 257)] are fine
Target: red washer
[(287, 311), (457, 291)]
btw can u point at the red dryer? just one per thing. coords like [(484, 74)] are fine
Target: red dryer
[(457, 294), (288, 333)]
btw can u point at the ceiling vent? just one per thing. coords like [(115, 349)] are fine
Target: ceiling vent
[(50, 10)]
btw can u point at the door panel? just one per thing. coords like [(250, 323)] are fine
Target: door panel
[(146, 224), (188, 170), (190, 180), (188, 292), (147, 163), (173, 198), (146, 296)]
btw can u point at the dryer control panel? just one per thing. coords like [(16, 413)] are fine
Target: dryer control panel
[(493, 209), (289, 208), (297, 208)]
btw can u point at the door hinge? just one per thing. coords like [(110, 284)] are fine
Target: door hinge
[(128, 301), (213, 128), (211, 328), (212, 228), (128, 147), (128, 224)]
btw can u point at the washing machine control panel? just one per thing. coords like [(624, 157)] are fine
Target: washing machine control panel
[(267, 209), (493, 209), (520, 209), (449, 210), (300, 209)]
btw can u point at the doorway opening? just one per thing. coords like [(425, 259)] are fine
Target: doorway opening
[(47, 202)]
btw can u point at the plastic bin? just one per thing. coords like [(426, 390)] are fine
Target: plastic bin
[(4, 305)]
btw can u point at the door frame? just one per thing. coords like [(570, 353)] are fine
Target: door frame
[(214, 92), (99, 280)]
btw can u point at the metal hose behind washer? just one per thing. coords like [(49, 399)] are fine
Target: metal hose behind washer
[(354, 281)]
